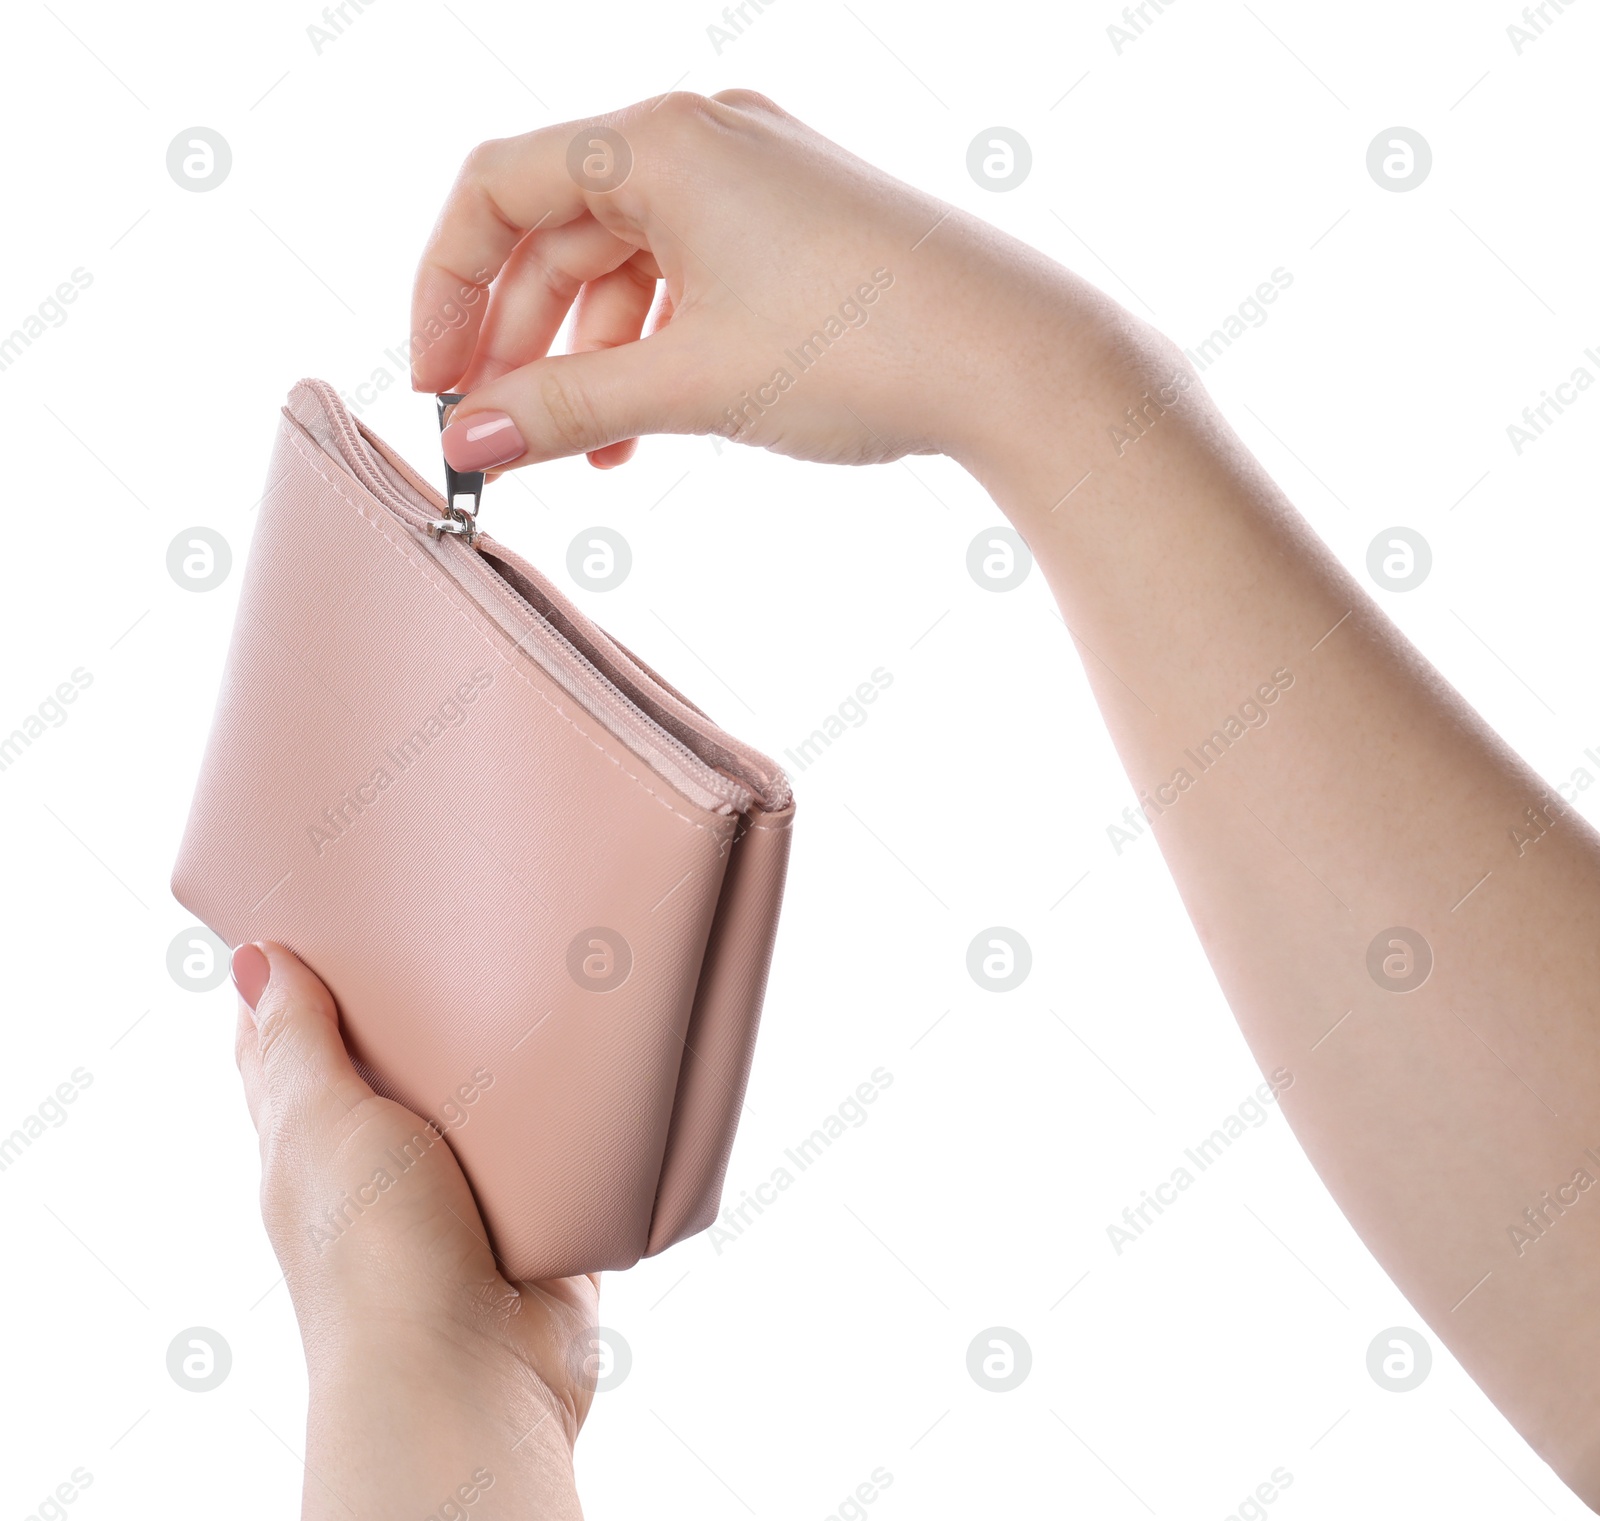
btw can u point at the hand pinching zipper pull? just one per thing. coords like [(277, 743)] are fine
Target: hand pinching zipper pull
[(463, 489)]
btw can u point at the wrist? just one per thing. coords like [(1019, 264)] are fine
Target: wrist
[(1075, 377), (1058, 428), (424, 1415)]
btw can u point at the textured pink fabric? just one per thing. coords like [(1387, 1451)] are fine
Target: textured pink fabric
[(434, 804)]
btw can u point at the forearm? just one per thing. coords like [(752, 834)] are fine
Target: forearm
[(1359, 792)]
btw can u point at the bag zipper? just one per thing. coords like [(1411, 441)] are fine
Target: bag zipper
[(447, 524)]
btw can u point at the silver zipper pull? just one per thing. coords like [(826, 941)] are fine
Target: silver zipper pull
[(463, 490)]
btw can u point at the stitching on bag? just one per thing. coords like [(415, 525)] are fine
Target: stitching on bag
[(739, 833), (432, 576)]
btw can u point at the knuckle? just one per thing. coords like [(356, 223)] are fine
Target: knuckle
[(682, 116), (572, 418), (634, 275), (728, 424), (288, 1199), (556, 283), (682, 105), (747, 100), (275, 1025), (478, 162)]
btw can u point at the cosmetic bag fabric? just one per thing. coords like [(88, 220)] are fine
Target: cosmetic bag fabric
[(542, 886)]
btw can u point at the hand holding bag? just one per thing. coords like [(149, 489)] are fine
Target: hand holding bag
[(541, 884)]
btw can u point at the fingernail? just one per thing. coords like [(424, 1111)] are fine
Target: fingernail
[(482, 441), (251, 973)]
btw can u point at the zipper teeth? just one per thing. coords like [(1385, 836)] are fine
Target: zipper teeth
[(358, 457), (620, 704), (621, 707)]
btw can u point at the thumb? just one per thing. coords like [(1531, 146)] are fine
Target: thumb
[(575, 403), (296, 1063)]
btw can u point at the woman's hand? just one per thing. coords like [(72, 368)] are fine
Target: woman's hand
[(812, 304), (435, 1382), (1308, 776)]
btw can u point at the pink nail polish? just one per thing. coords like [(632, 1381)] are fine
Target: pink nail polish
[(251, 973), (482, 441)]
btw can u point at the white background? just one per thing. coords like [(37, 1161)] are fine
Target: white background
[(829, 1340)]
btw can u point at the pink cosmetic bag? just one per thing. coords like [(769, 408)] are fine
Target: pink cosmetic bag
[(541, 884)]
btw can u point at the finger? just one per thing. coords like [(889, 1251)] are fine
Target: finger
[(662, 314), (247, 1054), (534, 292), (612, 311), (646, 265), (506, 188), (672, 382), (609, 456), (303, 1067)]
